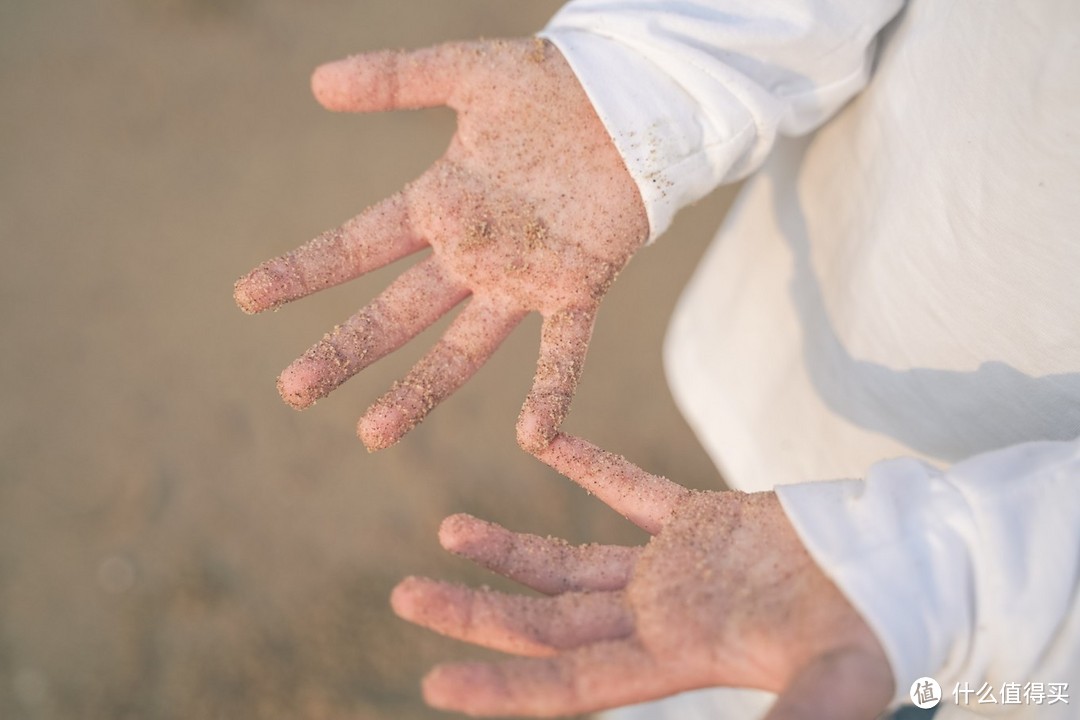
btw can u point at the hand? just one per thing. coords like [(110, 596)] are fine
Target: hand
[(723, 594), (530, 209)]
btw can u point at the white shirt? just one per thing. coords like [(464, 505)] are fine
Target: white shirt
[(899, 284)]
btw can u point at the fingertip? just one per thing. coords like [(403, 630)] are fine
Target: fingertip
[(242, 297), (438, 606), (404, 596), (251, 292), (472, 538), (434, 687), (297, 385), (380, 427), (451, 687), (456, 531), (329, 83), (534, 431), (270, 285), (426, 602)]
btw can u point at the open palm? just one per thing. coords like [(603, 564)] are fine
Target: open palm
[(723, 594), (530, 209)]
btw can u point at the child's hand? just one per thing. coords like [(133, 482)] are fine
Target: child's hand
[(724, 594), (531, 208)]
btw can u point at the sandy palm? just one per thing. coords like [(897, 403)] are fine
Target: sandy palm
[(530, 209), (723, 594)]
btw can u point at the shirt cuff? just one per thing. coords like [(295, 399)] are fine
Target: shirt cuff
[(675, 151), (969, 575)]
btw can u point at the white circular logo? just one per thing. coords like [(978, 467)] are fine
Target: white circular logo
[(925, 693)]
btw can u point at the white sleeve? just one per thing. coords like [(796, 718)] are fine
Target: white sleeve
[(969, 576), (693, 93)]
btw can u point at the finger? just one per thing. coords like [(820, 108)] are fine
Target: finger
[(537, 626), (376, 237), (564, 341), (549, 565), (642, 498), (419, 297), (844, 685), (467, 344), (595, 677), (392, 80)]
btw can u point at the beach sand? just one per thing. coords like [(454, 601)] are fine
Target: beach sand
[(175, 541)]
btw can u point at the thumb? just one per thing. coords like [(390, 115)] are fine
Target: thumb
[(392, 80), (848, 684)]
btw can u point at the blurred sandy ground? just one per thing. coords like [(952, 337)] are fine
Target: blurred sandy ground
[(174, 541)]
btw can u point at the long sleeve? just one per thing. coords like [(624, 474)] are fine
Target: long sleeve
[(969, 576), (901, 283), (694, 93)]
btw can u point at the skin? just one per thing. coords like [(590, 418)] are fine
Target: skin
[(724, 594), (530, 209)]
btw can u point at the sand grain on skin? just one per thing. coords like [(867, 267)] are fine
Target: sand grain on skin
[(530, 208)]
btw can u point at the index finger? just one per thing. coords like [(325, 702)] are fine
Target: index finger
[(548, 565), (644, 499)]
